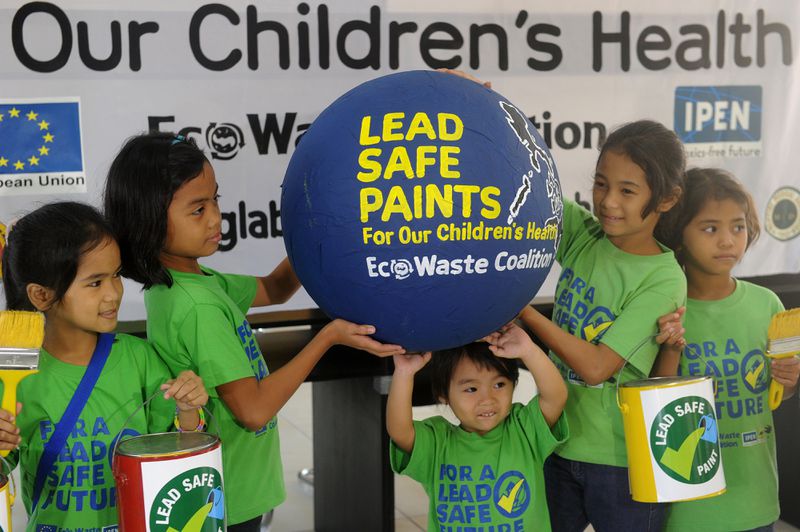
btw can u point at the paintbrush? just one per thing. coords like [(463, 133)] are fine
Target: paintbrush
[(21, 337), (784, 342)]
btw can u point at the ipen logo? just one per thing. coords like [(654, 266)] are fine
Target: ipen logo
[(718, 114), (749, 438)]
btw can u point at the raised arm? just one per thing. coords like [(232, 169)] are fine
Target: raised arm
[(399, 419), (254, 402), (593, 363), (277, 287), (512, 342)]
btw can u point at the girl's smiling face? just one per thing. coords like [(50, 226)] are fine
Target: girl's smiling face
[(479, 397), (193, 223), (620, 194), (92, 301)]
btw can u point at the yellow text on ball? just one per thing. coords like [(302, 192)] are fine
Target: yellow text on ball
[(428, 201), (377, 237), (449, 127), (400, 161)]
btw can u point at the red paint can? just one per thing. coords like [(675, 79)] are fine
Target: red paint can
[(170, 481)]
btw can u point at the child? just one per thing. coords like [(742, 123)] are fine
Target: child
[(616, 280), (726, 336), (62, 259), (161, 198), (487, 472)]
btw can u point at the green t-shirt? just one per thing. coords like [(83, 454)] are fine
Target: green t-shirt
[(607, 295), (726, 339), (199, 324), (475, 481), (79, 492)]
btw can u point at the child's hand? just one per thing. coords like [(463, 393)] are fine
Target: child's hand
[(345, 333), (786, 371), (459, 73), (511, 342), (9, 433), (670, 329), (187, 390), (410, 363)]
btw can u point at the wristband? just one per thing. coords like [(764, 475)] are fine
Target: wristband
[(200, 426)]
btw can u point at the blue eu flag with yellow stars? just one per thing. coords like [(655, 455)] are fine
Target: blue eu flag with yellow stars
[(40, 137)]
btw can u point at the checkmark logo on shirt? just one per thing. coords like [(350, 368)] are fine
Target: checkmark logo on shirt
[(591, 331), (506, 502), (753, 374)]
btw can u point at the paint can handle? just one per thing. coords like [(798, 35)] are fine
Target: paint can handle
[(646, 339), (121, 435), (633, 351), (12, 494)]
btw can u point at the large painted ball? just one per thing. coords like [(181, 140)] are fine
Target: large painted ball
[(424, 204)]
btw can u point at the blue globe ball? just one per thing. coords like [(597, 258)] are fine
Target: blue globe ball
[(424, 204)]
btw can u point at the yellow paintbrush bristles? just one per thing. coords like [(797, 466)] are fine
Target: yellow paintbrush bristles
[(784, 342), (20, 328), (784, 334)]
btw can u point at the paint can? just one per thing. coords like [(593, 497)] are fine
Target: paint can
[(672, 439), (170, 481)]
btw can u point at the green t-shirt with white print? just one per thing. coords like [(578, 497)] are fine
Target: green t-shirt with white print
[(199, 323), (605, 295), (79, 492), (489, 482), (726, 339)]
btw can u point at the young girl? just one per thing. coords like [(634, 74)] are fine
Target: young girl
[(616, 280), (161, 198), (485, 473), (62, 260), (726, 336)]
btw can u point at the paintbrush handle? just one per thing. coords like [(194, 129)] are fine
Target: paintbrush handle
[(775, 394), (11, 379)]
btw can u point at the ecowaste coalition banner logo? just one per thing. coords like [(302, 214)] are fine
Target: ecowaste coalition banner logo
[(41, 148)]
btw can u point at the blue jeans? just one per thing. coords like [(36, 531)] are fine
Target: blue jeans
[(579, 493)]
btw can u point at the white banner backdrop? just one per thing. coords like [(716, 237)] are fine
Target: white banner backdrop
[(246, 80)]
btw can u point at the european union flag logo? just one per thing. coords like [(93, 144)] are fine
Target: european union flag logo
[(40, 137)]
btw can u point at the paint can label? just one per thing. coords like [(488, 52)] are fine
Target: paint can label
[(185, 494)]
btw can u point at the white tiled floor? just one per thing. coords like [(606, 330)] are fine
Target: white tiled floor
[(297, 513)]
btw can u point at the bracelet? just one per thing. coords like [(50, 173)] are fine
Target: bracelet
[(200, 426)]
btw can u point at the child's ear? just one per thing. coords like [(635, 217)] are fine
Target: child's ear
[(442, 400), (669, 201), (40, 296)]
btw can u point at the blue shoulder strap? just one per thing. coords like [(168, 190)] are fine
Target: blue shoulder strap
[(56, 442)]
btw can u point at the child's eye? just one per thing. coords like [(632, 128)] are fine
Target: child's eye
[(499, 385), (217, 197), (598, 185), (710, 229), (198, 211), (628, 191), (117, 274), (471, 389), (739, 228), (94, 284)]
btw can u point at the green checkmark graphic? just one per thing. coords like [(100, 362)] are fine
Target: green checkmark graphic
[(680, 461)]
